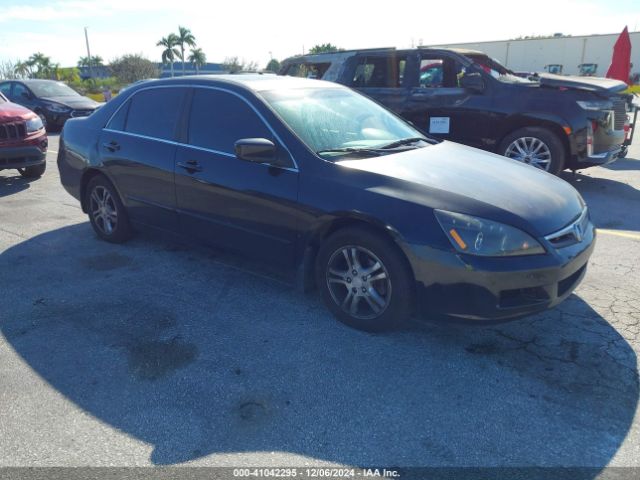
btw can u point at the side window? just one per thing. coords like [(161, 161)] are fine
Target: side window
[(379, 72), (5, 89), (218, 119), (431, 73), (440, 72), (118, 121), (19, 92), (154, 112)]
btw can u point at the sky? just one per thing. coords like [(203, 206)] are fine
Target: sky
[(256, 30)]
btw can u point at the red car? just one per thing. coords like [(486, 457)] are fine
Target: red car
[(23, 140)]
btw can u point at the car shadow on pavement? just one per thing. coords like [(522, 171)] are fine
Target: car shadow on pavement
[(624, 164), (195, 355), (10, 184), (604, 198)]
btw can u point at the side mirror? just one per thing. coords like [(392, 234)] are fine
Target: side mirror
[(257, 150), (26, 95), (473, 82)]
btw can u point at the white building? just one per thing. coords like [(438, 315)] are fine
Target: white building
[(534, 54)]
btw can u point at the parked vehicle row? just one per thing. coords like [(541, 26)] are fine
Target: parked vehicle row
[(553, 123), (23, 140), (54, 102), (319, 179)]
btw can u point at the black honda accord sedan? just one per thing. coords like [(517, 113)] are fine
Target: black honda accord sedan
[(321, 180)]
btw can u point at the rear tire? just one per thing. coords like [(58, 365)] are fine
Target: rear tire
[(536, 146), (365, 280), (35, 171), (107, 214)]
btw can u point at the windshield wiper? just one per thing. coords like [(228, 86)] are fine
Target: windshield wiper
[(404, 141), (376, 151)]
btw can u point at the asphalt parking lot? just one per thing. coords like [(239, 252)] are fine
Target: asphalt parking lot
[(157, 353)]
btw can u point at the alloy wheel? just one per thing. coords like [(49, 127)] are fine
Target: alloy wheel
[(103, 210), (530, 150), (358, 282)]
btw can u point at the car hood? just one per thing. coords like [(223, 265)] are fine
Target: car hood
[(454, 177), (80, 103), (592, 84), (12, 111)]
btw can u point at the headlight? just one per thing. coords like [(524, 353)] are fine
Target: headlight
[(478, 236), (34, 124), (595, 105), (56, 107)]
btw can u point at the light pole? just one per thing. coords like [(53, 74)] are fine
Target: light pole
[(86, 37)]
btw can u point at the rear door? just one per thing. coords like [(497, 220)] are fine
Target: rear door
[(381, 77), (137, 149), (240, 205)]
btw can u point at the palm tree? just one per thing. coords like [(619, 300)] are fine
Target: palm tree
[(185, 37), (94, 61), (170, 52), (22, 70), (197, 58), (42, 64)]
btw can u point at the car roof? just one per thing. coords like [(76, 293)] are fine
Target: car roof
[(250, 81), (32, 81)]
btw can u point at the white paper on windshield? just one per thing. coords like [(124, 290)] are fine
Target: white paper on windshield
[(439, 125)]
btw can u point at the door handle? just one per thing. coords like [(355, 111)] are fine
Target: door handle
[(190, 166), (112, 146)]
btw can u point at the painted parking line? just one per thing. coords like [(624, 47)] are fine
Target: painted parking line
[(618, 233)]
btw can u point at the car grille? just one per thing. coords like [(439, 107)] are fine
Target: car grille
[(620, 113), (81, 113), (12, 131), (572, 233)]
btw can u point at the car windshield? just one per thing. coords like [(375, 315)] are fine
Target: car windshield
[(496, 70), (337, 121), (52, 89), (2, 99)]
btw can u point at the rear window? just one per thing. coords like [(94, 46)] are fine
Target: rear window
[(154, 112)]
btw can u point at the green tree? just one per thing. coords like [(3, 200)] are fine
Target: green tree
[(130, 68), (170, 52), (40, 66), (273, 66), (324, 48), (69, 74), (197, 58), (185, 37), (94, 61), (22, 70), (235, 65)]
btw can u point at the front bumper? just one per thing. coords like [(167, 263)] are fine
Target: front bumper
[(33, 152), (490, 289)]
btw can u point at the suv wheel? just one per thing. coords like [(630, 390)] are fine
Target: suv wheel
[(364, 280), (535, 146), (34, 171), (107, 214)]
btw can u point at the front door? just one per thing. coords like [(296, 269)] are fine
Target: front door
[(232, 203), (440, 106)]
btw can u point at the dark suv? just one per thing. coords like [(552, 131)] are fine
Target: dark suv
[(554, 122), (23, 140), (53, 101)]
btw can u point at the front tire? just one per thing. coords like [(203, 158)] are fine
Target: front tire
[(535, 146), (107, 214), (35, 171), (365, 280)]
